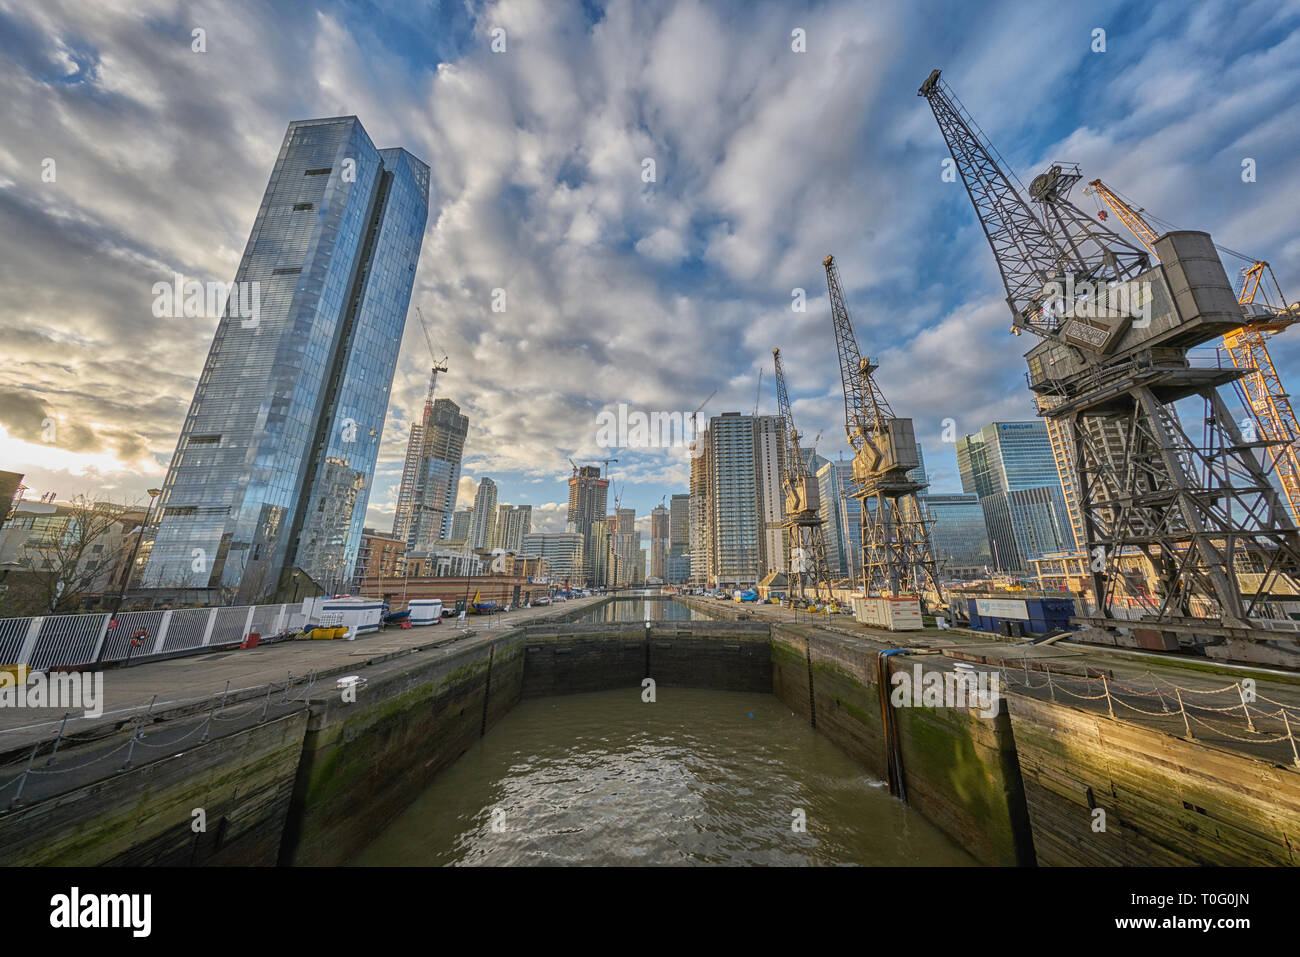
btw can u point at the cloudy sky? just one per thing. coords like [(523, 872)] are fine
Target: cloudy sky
[(619, 290)]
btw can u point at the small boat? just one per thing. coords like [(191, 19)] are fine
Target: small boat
[(480, 607), (398, 616)]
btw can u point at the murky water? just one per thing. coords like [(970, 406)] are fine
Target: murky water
[(642, 609), (698, 777)]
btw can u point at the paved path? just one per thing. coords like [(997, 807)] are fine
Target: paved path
[(197, 680)]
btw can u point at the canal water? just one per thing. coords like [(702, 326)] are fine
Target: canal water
[(641, 609), (698, 777)]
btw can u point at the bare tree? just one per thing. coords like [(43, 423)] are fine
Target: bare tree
[(73, 550)]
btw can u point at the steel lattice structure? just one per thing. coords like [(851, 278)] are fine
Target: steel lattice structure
[(804, 527), (1260, 389), (1200, 508), (897, 557)]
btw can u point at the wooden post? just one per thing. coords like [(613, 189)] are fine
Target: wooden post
[(1106, 687), (1295, 755)]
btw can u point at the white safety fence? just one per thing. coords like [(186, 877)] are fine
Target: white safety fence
[(66, 641)]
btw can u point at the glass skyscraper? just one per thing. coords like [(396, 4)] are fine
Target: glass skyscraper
[(1011, 467), (273, 467)]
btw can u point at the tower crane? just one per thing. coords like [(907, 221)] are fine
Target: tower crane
[(414, 513), (1260, 389), (897, 558), (1199, 509), (803, 523)]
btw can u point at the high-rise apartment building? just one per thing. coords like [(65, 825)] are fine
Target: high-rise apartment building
[(588, 501), (460, 525), (273, 466), (743, 498), (483, 522), (1011, 466), (427, 494), (659, 537), (512, 524), (699, 530)]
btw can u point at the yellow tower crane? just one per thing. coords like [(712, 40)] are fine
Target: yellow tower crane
[(1261, 387)]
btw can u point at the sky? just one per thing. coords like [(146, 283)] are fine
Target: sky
[(650, 183)]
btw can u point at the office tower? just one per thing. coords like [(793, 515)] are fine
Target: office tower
[(840, 514), (460, 525), (1012, 468), (427, 494), (659, 537), (959, 536), (273, 466), (744, 506), (588, 500), (483, 521), (562, 551)]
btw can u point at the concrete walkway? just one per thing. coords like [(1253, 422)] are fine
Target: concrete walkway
[(194, 682)]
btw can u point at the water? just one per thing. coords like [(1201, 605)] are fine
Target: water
[(642, 609), (699, 777)]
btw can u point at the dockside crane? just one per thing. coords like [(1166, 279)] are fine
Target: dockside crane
[(1260, 389), (805, 531), (1199, 509), (897, 557)]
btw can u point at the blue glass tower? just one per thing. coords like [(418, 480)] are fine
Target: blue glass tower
[(273, 467)]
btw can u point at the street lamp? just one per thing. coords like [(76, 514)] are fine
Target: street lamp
[(126, 575)]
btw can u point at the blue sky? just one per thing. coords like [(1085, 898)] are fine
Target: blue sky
[(618, 290)]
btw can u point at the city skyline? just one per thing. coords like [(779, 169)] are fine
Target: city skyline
[(708, 252)]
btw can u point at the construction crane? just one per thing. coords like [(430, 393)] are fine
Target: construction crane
[(605, 462), (1200, 510), (897, 558), (758, 391), (805, 533), (1260, 389), (414, 514)]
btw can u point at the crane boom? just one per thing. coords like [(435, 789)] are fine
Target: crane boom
[(1260, 389), (802, 515), (865, 409), (1194, 509)]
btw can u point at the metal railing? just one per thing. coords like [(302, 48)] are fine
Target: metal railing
[(43, 642)]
